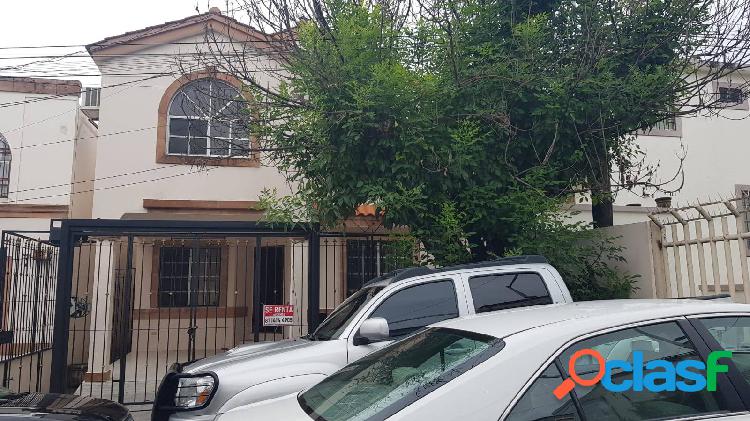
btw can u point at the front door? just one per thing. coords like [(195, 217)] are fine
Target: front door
[(272, 280)]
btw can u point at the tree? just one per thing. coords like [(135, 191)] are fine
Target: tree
[(453, 116)]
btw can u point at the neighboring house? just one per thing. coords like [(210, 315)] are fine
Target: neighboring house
[(39, 125), (714, 147)]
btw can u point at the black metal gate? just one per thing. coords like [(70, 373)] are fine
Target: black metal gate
[(28, 279), (145, 294)]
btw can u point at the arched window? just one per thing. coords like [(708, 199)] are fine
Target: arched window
[(206, 118), (4, 166)]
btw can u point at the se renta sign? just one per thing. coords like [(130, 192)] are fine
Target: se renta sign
[(274, 315), (654, 375)]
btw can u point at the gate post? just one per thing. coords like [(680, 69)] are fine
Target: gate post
[(125, 322), (257, 319), (313, 281), (58, 382)]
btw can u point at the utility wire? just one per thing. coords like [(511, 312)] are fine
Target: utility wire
[(115, 186), (54, 186), (97, 137), (76, 107), (86, 55)]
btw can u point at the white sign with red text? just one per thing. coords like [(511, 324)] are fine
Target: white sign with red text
[(278, 315)]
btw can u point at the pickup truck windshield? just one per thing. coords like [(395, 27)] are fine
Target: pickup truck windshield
[(334, 324), (388, 380)]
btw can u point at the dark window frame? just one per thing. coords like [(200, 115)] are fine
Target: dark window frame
[(188, 289), (529, 272), (6, 157), (366, 259), (729, 105), (731, 95)]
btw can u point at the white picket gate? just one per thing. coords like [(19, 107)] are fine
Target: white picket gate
[(703, 250)]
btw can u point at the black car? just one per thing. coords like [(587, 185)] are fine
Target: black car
[(49, 406)]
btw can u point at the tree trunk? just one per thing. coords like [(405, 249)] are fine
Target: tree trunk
[(602, 211)]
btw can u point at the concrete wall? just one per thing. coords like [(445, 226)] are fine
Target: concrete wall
[(641, 254), (623, 215)]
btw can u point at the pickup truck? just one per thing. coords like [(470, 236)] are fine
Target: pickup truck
[(387, 308)]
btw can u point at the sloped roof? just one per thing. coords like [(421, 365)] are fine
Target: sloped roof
[(170, 31), (45, 86)]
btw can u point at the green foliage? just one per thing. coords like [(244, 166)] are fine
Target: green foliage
[(470, 126), (584, 257)]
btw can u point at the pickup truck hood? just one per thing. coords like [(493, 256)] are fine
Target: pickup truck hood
[(283, 408), (241, 369), (253, 352)]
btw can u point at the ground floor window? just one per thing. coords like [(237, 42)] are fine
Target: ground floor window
[(189, 276), (369, 258)]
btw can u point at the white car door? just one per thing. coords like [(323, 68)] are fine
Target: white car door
[(408, 309)]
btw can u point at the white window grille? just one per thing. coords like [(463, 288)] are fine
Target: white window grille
[(90, 97), (206, 118), (668, 124)]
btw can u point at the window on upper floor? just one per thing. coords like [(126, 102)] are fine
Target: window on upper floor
[(730, 96), (207, 119), (671, 126), (5, 157)]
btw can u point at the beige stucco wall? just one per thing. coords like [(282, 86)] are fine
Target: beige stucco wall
[(639, 251), (40, 174), (127, 145), (716, 148), (84, 169), (36, 168)]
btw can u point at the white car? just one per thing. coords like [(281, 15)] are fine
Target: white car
[(506, 366), (387, 308)]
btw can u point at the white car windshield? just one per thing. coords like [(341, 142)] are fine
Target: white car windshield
[(334, 325), (388, 380)]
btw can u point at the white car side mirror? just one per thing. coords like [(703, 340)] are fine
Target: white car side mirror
[(373, 330)]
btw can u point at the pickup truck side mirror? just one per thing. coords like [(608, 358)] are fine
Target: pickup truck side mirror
[(372, 330)]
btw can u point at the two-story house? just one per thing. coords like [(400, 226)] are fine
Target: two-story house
[(41, 126)]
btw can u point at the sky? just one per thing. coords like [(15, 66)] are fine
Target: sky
[(60, 22)]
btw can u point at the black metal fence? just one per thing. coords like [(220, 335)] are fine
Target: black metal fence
[(127, 299), (28, 279)]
